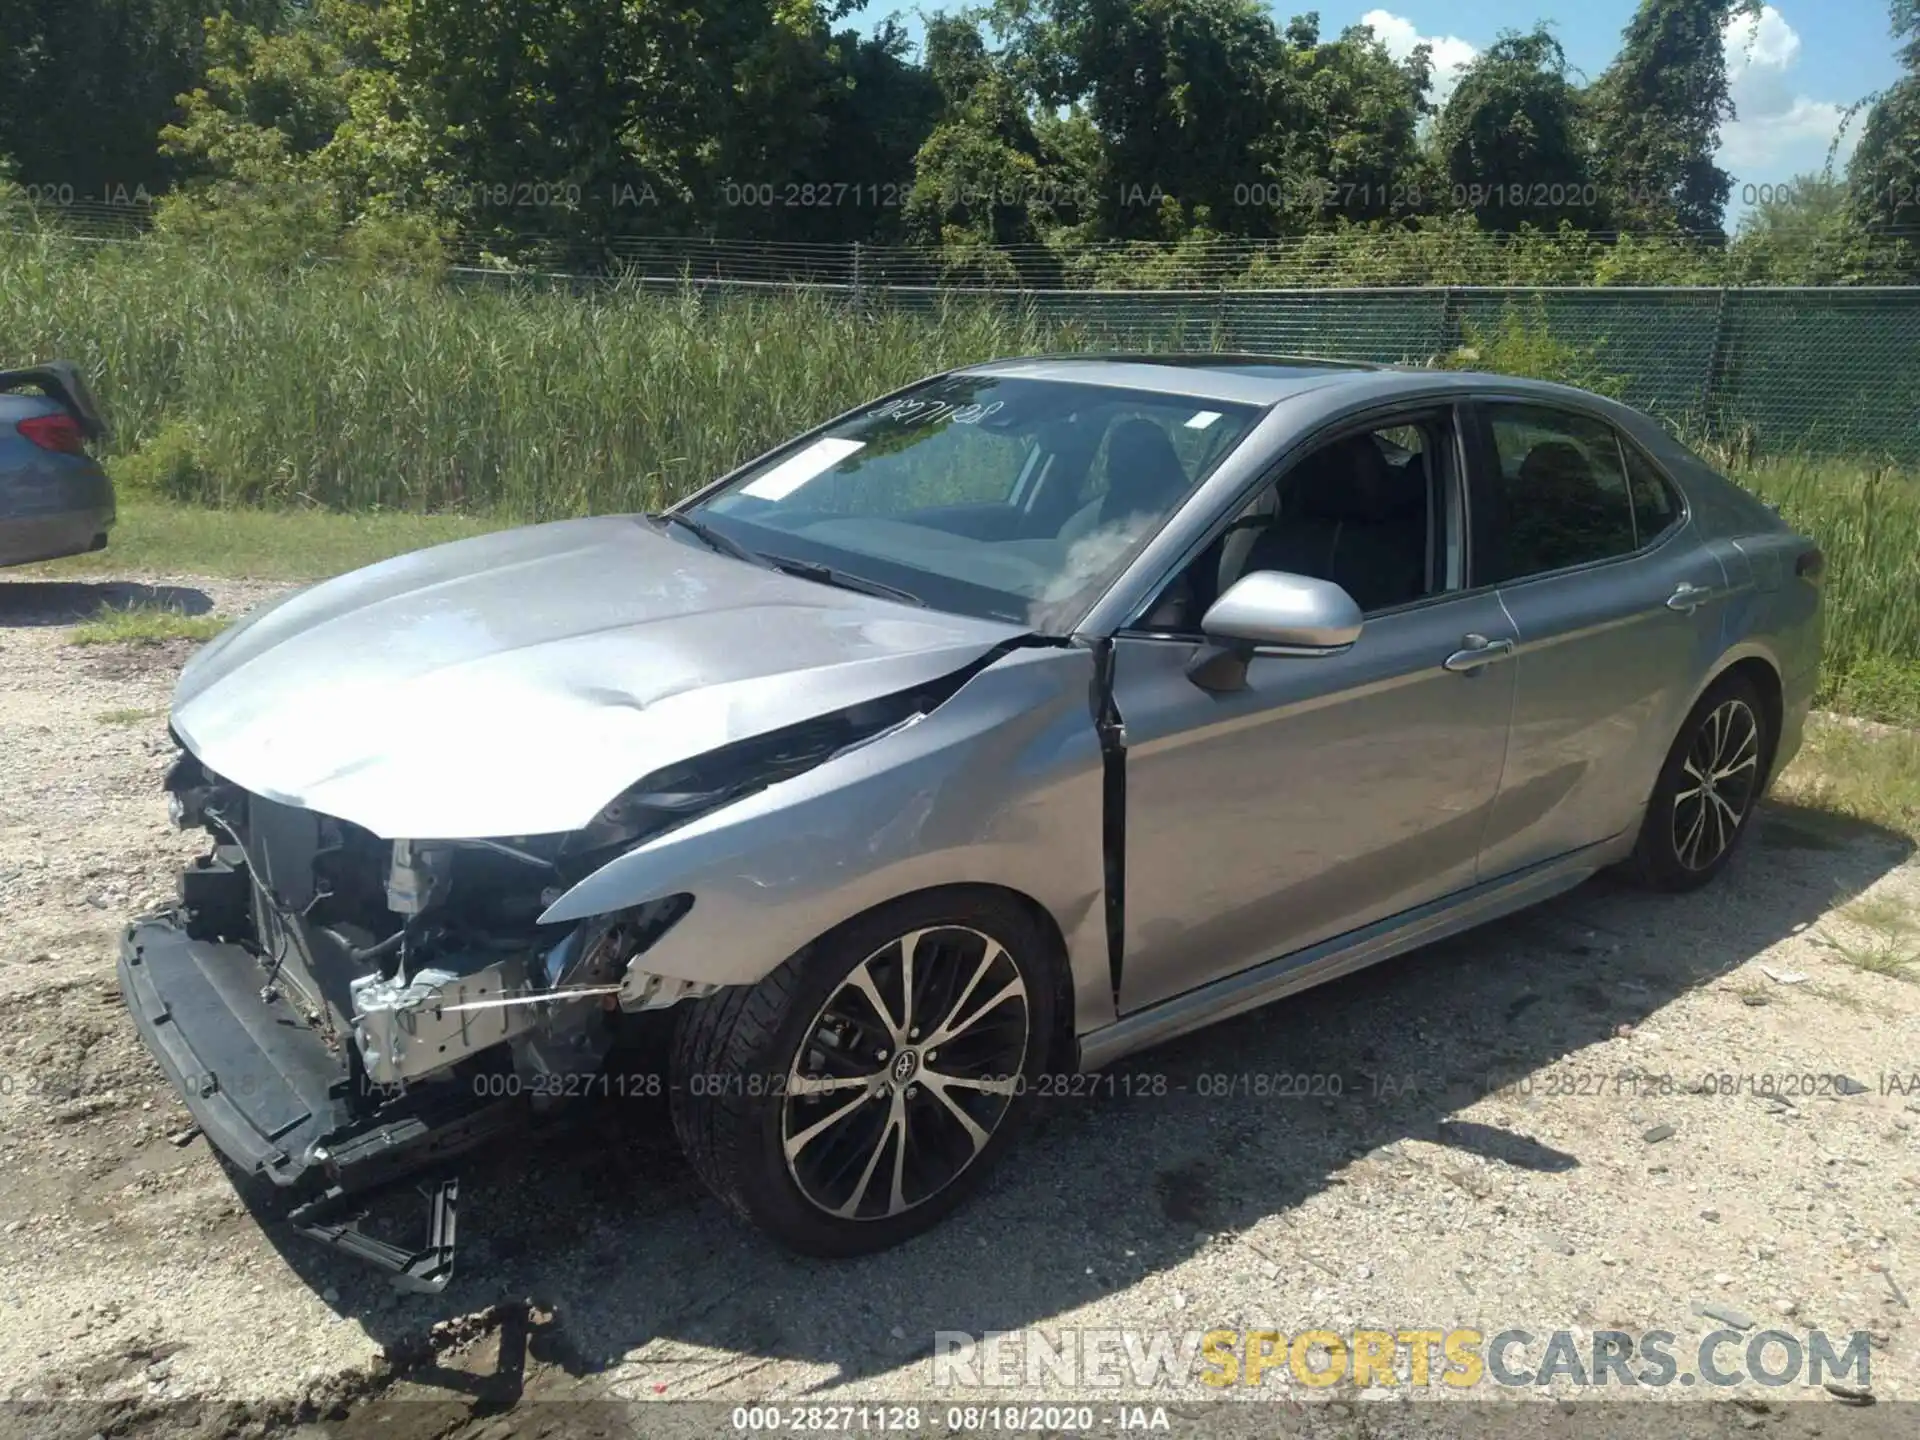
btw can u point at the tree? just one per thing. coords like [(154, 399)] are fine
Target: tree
[(882, 112), (1657, 113), (1798, 233), (296, 133), (1211, 121), (983, 179), (552, 130), (1343, 143), (1883, 178), (1905, 25), (86, 85), (1510, 142), (1180, 92), (1807, 208)]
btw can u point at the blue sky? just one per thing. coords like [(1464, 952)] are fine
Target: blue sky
[(1794, 71)]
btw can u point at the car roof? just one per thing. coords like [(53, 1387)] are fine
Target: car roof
[(1268, 379)]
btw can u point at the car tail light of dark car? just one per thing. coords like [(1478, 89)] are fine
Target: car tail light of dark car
[(54, 432), (1811, 564)]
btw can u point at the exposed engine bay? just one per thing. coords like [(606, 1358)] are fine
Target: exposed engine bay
[(410, 958), (340, 1009)]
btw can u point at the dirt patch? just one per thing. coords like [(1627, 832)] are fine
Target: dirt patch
[(120, 664), (1596, 1115)]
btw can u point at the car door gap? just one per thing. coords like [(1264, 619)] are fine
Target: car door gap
[(1112, 730)]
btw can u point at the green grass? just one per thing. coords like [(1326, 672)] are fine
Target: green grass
[(1867, 520), (1877, 936), (158, 537), (1874, 687), (1886, 946), (1883, 913), (1875, 955), (1863, 773), (144, 625), (127, 717)]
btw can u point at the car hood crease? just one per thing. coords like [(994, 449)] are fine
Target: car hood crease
[(514, 683)]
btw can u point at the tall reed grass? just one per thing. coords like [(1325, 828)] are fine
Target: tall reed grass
[(1867, 520), (355, 391)]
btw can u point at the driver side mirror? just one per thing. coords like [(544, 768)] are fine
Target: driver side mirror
[(1273, 611)]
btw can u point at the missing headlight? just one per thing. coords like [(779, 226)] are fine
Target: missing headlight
[(681, 792)]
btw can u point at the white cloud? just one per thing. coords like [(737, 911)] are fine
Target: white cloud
[(1451, 54), (1777, 132)]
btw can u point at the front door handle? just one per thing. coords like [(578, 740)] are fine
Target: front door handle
[(1477, 652), (1689, 597)]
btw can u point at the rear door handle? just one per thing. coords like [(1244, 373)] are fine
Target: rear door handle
[(1689, 597), (1477, 652)]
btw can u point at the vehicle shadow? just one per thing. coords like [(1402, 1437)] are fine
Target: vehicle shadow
[(28, 603), (659, 1291)]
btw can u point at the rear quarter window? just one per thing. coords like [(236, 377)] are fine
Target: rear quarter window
[(1656, 504)]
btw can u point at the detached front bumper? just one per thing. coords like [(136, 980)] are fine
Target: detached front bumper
[(267, 1089)]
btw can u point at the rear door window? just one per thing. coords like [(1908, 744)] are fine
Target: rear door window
[(1559, 498)]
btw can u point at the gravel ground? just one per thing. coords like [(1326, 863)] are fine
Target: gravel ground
[(1530, 1132)]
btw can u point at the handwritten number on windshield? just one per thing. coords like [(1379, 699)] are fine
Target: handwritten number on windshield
[(908, 411)]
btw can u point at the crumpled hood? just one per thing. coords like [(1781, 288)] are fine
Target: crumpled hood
[(514, 683)]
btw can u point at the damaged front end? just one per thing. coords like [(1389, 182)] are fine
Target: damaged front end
[(340, 1010)]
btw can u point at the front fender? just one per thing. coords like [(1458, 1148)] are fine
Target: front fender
[(1001, 785)]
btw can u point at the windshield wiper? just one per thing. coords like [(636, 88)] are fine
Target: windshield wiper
[(714, 540), (827, 575), (804, 569)]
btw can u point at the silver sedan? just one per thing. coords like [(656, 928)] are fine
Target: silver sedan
[(1030, 715)]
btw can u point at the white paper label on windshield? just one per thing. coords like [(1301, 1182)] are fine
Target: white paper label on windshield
[(796, 470), (1202, 418)]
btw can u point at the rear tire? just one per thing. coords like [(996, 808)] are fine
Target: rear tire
[(1703, 802), (841, 1121)]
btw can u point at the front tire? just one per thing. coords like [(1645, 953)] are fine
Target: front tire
[(1703, 802), (857, 1094)]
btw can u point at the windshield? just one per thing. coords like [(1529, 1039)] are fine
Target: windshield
[(1006, 499)]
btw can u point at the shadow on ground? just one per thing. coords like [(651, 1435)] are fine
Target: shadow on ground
[(28, 603), (608, 1229)]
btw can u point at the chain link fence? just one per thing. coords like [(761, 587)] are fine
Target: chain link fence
[(1830, 369), (1827, 371)]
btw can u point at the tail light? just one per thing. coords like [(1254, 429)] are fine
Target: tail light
[(54, 432), (1811, 565)]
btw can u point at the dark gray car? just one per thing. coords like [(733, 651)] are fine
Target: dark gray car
[(54, 498)]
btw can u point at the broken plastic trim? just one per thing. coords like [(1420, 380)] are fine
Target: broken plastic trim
[(425, 1271), (684, 792)]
